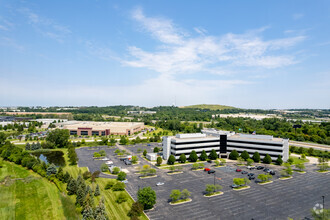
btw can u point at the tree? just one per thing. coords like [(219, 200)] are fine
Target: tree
[(100, 213), (66, 177), (249, 162), (245, 155), (240, 160), (238, 181), (87, 175), (185, 194), (72, 187), (115, 170), (60, 174), (279, 160), (213, 155), (210, 188), (104, 167), (175, 195), (124, 140), (264, 177), (121, 176), (27, 146), (145, 152), (203, 156), (109, 185), (171, 160), (159, 161), (60, 137), (136, 210), (80, 196), (147, 197), (193, 156), (323, 163), (290, 160), (51, 170), (267, 159), (288, 171), (183, 158), (246, 181), (134, 159), (256, 157), (233, 155), (300, 166), (156, 150)]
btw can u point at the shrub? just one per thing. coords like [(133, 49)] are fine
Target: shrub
[(119, 186), (121, 198), (203, 156), (121, 176), (104, 167), (183, 158), (233, 155), (109, 185), (87, 175), (279, 160), (171, 160), (267, 159), (193, 156), (159, 161), (245, 155)]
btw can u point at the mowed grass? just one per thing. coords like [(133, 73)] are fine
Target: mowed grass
[(26, 195), (115, 210)]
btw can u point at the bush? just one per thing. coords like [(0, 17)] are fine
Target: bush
[(121, 176), (121, 198), (87, 175), (193, 156), (136, 210), (119, 186), (245, 155), (109, 185), (147, 197), (183, 158), (104, 167), (213, 155), (279, 160), (159, 161), (256, 157), (203, 156), (115, 170)]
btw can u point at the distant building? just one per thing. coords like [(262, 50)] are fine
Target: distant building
[(151, 156), (223, 142), (141, 112), (103, 128)]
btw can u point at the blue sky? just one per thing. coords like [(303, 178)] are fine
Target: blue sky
[(249, 54)]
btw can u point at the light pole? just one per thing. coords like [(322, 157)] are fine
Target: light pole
[(323, 207)]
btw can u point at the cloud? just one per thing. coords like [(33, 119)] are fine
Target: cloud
[(180, 52), (298, 16), (46, 26), (9, 42)]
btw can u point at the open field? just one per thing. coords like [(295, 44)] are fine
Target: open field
[(25, 195)]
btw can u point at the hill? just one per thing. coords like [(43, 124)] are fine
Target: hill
[(211, 107)]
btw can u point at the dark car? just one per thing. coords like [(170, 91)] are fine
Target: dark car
[(250, 174), (209, 161), (260, 168), (251, 177), (244, 172), (266, 170), (272, 172), (211, 171)]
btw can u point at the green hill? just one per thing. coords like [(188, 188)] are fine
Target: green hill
[(211, 107)]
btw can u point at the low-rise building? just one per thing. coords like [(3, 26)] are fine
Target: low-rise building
[(223, 142), (103, 128)]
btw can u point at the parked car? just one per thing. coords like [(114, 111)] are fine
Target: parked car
[(211, 171), (109, 162), (124, 181), (272, 172), (250, 174), (267, 170), (234, 186), (209, 161), (244, 172), (127, 162), (159, 184), (251, 177), (260, 168), (207, 169), (238, 170)]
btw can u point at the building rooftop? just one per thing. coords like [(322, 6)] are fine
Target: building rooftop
[(102, 125)]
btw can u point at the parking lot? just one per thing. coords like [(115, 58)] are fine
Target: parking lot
[(281, 199)]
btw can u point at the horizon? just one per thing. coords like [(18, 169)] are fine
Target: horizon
[(250, 55)]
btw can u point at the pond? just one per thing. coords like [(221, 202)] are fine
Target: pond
[(55, 157)]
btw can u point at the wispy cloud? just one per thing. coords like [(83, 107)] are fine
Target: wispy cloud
[(46, 26), (9, 42), (183, 53), (298, 16)]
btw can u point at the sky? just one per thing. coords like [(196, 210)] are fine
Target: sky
[(247, 54)]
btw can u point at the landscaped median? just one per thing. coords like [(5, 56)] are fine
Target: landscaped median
[(285, 177), (266, 182), (241, 188), (323, 171), (181, 201), (146, 177), (213, 194), (173, 173)]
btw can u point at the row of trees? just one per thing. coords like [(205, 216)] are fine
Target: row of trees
[(234, 155), (193, 157)]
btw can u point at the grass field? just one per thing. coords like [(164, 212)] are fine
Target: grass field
[(297, 160), (211, 107), (26, 195)]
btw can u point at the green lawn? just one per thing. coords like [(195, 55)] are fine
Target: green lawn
[(296, 160), (26, 195)]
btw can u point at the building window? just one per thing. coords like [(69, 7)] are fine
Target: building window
[(95, 133), (84, 132), (73, 132), (103, 133)]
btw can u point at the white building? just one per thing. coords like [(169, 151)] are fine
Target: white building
[(151, 156), (223, 142)]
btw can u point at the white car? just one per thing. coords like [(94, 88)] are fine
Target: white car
[(109, 162), (124, 181), (159, 184)]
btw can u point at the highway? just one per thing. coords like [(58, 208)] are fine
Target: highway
[(310, 145)]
